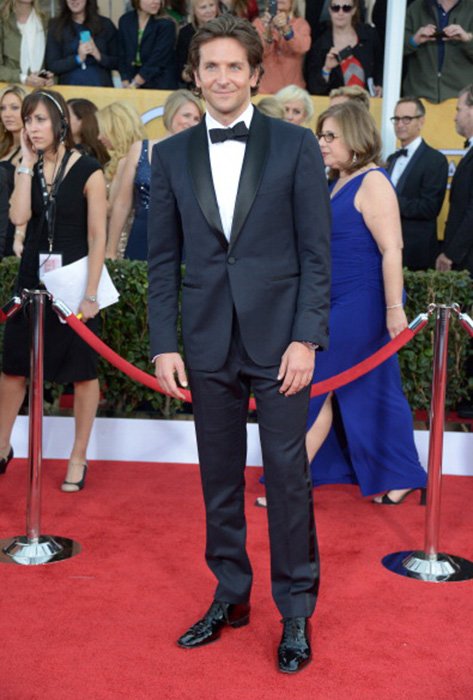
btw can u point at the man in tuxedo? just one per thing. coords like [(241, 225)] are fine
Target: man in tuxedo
[(457, 246), (246, 197), (419, 174)]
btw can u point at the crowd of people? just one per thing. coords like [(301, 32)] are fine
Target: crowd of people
[(77, 181), (318, 45)]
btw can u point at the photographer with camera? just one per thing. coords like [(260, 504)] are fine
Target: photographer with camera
[(439, 47), (286, 39), (347, 53)]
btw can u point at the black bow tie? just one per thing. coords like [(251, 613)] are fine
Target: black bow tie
[(239, 132), (400, 152), (466, 144)]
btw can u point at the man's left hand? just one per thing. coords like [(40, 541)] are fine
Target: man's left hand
[(296, 369)]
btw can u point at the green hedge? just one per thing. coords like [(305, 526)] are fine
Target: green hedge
[(125, 330)]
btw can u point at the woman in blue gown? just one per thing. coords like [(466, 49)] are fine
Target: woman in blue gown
[(362, 433), (182, 110)]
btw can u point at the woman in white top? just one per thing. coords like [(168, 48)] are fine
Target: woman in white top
[(22, 44)]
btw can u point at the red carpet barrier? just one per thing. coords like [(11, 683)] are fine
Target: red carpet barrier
[(10, 308), (327, 385)]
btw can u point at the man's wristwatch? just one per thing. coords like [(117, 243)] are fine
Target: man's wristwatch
[(311, 346), (92, 298)]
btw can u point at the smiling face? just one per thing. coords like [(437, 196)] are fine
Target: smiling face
[(335, 152), (77, 7), (205, 10), (294, 112), (225, 78), (186, 116), (10, 112)]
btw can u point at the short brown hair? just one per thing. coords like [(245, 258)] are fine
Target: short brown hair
[(359, 132), (56, 108), (415, 101), (468, 91), (227, 27)]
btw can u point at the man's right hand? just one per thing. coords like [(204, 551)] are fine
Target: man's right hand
[(168, 366), (424, 34)]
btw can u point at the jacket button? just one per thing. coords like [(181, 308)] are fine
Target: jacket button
[(231, 260)]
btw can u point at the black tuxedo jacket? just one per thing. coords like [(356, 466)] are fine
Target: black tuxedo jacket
[(157, 51), (275, 271), (458, 243), (420, 191)]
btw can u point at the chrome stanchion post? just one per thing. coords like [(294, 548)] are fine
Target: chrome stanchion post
[(36, 548), (430, 565)]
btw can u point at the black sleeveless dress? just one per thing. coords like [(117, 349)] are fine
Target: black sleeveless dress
[(9, 168), (67, 358)]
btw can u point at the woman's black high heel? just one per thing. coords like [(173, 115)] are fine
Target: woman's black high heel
[(386, 501), (6, 461), (74, 486)]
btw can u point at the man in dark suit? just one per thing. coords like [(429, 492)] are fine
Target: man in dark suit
[(457, 246), (246, 197), (419, 174)]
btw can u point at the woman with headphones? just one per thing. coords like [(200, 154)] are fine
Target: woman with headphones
[(61, 195)]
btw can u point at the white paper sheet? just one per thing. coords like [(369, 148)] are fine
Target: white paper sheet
[(68, 284)]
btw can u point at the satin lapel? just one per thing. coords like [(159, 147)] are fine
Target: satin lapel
[(408, 169), (256, 152), (201, 176), (390, 164)]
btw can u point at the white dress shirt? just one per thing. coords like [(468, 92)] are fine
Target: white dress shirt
[(226, 161), (401, 162)]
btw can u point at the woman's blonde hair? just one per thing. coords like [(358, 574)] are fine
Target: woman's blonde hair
[(193, 18), (294, 93), (6, 9), (175, 101), (6, 138), (120, 123), (359, 132), (271, 107)]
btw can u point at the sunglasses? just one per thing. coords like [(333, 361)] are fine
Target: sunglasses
[(327, 136), (404, 120), (343, 8)]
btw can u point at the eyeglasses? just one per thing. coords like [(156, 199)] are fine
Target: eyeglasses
[(405, 120), (327, 136), (343, 8)]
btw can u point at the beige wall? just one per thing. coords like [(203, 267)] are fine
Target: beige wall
[(439, 129)]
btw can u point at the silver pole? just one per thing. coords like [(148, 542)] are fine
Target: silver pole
[(437, 424), (430, 565), (35, 453), (35, 548)]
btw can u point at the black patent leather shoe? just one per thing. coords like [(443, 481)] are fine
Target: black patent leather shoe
[(209, 628), (294, 651), (6, 461)]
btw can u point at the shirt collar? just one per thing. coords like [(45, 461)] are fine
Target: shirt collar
[(246, 117), (413, 146)]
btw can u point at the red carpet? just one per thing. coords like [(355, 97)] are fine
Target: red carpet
[(102, 626)]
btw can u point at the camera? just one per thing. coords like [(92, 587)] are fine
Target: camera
[(344, 53), (273, 7), (439, 34)]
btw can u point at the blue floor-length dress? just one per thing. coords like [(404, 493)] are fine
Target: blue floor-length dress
[(371, 442)]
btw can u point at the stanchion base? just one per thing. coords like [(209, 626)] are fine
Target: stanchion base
[(47, 549), (437, 568)]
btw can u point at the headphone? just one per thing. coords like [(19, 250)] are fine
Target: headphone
[(64, 120)]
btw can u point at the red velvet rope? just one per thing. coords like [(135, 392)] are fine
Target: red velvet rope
[(3, 317), (466, 326), (319, 388)]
